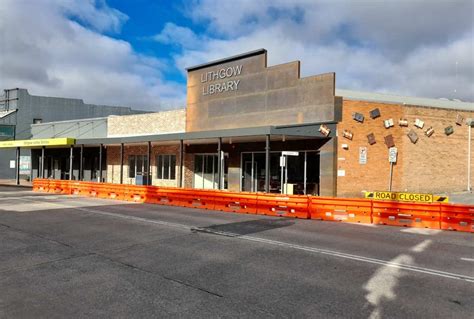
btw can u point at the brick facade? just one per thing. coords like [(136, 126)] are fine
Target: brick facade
[(113, 163), (435, 164), (151, 123)]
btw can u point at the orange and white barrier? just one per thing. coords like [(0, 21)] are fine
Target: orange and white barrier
[(355, 210)]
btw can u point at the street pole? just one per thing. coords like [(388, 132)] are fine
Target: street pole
[(391, 174)]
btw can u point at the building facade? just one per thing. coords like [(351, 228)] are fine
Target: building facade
[(250, 127), (19, 110)]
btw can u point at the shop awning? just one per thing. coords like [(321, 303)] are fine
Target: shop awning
[(301, 130), (64, 141)]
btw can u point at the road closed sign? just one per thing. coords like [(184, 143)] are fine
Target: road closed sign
[(407, 197)]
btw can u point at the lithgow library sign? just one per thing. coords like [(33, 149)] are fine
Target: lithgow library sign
[(221, 80)]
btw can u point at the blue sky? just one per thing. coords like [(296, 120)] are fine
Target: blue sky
[(135, 52)]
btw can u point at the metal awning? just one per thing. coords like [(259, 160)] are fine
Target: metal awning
[(301, 130)]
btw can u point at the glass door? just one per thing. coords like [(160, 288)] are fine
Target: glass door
[(299, 175), (205, 171)]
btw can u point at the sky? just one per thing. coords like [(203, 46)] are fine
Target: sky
[(134, 53)]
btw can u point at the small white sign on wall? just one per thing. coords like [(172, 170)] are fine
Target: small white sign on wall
[(12, 164), (341, 172), (363, 155)]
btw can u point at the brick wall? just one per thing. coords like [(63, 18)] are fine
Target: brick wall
[(434, 164), (113, 163), (151, 123)]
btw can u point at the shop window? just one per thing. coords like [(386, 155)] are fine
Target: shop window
[(166, 166), (137, 165)]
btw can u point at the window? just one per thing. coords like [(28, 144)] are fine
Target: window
[(37, 121), (137, 165), (166, 166)]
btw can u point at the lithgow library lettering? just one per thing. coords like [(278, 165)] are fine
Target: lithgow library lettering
[(221, 74)]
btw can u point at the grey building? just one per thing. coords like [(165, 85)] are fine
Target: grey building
[(19, 109)]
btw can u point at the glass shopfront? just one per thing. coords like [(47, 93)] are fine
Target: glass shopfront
[(289, 174), (206, 171)]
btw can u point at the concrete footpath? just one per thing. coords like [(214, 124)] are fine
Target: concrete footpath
[(67, 256)]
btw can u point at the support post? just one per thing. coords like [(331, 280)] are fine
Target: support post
[(181, 161), (267, 163), (469, 186), (391, 176), (42, 162), (121, 163), (71, 159), (100, 163), (17, 166), (219, 163), (148, 173), (81, 167)]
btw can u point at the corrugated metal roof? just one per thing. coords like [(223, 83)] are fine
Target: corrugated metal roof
[(408, 100)]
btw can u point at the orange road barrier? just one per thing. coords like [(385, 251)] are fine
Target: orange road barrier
[(341, 209), (420, 215), (184, 197), (234, 202), (58, 186), (457, 217), (423, 215), (168, 196), (40, 185), (134, 193), (295, 206)]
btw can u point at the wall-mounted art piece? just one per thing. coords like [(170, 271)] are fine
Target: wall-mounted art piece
[(419, 123), (429, 131), (374, 113), (348, 134), (388, 123), (324, 130), (449, 130), (403, 122), (389, 141), (371, 138), (459, 119), (413, 136), (358, 117)]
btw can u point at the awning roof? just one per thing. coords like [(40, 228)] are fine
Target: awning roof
[(297, 131), (302, 130)]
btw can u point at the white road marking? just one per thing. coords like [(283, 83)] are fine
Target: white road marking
[(467, 259), (333, 253), (420, 231), (421, 246)]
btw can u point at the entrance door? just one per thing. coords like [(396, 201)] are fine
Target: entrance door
[(300, 175), (205, 171), (249, 178)]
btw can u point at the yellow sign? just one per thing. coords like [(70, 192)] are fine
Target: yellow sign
[(38, 142), (407, 197)]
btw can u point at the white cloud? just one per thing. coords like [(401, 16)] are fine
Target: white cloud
[(404, 47), (58, 48)]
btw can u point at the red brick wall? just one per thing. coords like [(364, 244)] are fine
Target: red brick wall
[(434, 164)]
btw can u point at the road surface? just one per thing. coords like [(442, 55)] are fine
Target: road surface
[(68, 257)]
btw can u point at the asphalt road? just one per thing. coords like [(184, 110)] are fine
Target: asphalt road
[(70, 257)]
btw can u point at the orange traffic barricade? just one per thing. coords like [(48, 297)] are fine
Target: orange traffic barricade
[(235, 202), (457, 217), (135, 193), (184, 197), (40, 185), (341, 209), (295, 206), (420, 215)]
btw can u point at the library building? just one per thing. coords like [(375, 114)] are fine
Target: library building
[(251, 127)]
